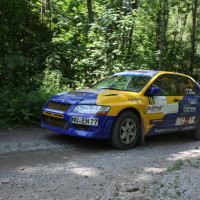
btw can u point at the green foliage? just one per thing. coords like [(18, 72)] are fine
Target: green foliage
[(48, 46), (20, 108), (53, 83)]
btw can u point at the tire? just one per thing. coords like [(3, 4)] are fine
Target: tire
[(125, 132), (195, 134)]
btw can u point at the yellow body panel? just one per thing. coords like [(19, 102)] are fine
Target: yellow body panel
[(121, 100)]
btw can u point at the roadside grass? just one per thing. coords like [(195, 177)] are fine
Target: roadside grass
[(176, 166), (195, 164), (180, 163), (171, 187)]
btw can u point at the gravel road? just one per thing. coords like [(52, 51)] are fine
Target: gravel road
[(42, 165)]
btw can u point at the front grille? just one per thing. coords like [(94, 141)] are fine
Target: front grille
[(60, 123), (58, 106)]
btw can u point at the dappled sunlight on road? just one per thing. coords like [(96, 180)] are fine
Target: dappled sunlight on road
[(84, 171), (155, 170), (188, 154)]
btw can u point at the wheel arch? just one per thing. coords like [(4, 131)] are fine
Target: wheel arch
[(137, 113), (134, 110)]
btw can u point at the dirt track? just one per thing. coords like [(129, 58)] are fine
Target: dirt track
[(40, 164)]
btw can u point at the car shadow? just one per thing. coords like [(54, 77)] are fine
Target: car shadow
[(95, 144), (77, 142), (169, 138)]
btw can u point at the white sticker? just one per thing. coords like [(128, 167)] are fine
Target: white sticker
[(165, 108), (192, 101), (155, 108), (170, 108), (185, 120), (160, 100), (189, 109)]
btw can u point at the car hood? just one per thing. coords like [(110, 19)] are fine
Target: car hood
[(90, 96)]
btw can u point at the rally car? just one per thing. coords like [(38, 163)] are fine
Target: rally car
[(127, 107)]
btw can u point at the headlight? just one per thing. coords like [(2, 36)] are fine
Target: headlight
[(89, 109)]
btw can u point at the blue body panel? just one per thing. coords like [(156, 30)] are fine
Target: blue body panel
[(169, 121)]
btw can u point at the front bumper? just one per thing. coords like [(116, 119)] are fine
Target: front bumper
[(65, 126)]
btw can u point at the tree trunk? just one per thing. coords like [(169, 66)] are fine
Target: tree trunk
[(193, 37), (163, 32), (90, 12), (134, 7)]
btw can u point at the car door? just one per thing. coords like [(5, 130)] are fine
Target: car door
[(189, 106), (163, 108)]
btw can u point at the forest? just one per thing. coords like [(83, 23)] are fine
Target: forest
[(51, 46)]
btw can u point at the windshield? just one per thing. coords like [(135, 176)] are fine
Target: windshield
[(133, 83)]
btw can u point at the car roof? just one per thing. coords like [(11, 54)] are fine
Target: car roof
[(149, 73), (138, 72)]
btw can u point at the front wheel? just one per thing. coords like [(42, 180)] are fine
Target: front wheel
[(196, 133), (125, 132)]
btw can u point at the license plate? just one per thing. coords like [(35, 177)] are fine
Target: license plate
[(85, 121)]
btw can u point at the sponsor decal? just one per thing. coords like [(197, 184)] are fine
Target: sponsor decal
[(166, 108), (135, 99), (189, 127), (170, 108), (151, 100), (154, 108), (190, 91), (189, 109), (53, 114), (160, 100), (185, 120), (192, 101), (165, 130)]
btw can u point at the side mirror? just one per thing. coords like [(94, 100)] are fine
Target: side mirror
[(153, 91)]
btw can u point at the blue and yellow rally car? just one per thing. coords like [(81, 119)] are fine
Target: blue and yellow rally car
[(127, 106)]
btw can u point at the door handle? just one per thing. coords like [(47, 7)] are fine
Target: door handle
[(176, 100)]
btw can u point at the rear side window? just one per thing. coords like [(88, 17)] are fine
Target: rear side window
[(167, 84), (187, 87)]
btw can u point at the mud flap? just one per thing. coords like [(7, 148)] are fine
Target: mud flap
[(142, 136)]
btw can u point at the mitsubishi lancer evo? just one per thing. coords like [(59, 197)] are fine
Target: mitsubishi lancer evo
[(126, 107)]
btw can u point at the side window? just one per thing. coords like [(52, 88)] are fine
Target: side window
[(167, 84), (187, 87)]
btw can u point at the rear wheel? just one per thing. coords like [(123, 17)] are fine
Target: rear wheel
[(196, 133), (125, 132)]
